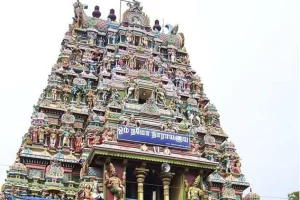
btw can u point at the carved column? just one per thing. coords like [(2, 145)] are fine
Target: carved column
[(140, 173), (166, 178)]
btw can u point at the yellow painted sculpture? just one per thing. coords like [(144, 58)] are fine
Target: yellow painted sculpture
[(193, 191)]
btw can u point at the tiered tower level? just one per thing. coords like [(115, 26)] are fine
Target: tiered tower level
[(124, 116)]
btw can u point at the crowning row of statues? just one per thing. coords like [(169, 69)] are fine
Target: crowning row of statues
[(105, 67)]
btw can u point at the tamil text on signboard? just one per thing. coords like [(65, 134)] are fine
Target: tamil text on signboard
[(154, 137)]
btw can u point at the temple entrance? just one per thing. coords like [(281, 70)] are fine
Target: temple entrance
[(153, 189), (131, 184)]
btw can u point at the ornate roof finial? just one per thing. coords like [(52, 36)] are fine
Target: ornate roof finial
[(112, 15), (156, 25), (96, 13), (135, 6)]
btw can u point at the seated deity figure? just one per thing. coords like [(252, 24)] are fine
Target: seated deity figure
[(109, 134), (150, 64)]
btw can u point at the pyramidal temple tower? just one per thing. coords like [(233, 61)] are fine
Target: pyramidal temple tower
[(124, 116)]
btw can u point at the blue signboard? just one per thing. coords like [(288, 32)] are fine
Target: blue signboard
[(154, 137)]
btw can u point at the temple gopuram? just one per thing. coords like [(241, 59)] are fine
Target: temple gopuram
[(124, 117)]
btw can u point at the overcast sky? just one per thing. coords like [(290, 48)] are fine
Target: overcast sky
[(246, 53)]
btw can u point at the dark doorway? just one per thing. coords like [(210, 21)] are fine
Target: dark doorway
[(153, 186), (131, 185)]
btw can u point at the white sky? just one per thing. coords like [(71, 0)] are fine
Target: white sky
[(246, 53)]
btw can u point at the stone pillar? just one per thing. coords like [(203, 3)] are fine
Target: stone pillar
[(166, 178), (140, 173)]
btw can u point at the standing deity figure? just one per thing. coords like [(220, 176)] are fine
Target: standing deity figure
[(114, 38), (145, 41), (54, 94), (113, 183), (66, 90), (101, 42), (129, 37), (78, 140), (173, 56), (41, 134), (109, 134), (193, 191), (160, 95), (115, 95), (76, 55), (90, 99), (150, 64), (131, 88), (78, 98), (34, 134), (53, 134), (131, 60), (226, 164), (67, 134)]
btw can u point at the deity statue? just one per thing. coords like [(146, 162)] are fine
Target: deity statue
[(172, 104), (236, 168), (76, 55), (226, 164), (131, 60), (115, 95), (168, 126), (78, 98), (90, 99), (145, 41), (33, 130), (109, 134), (96, 55), (53, 134), (41, 134), (131, 88), (150, 64), (129, 37), (115, 184), (67, 133), (28, 140), (88, 192), (179, 103), (78, 140), (101, 42), (195, 145), (65, 98), (173, 56), (160, 95), (54, 94), (107, 61), (186, 60), (114, 38), (193, 191)]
